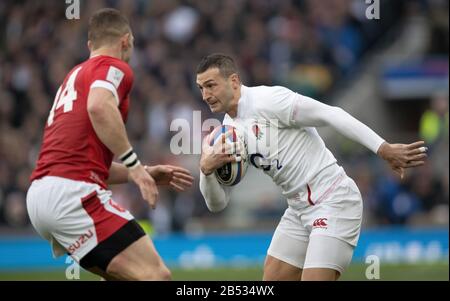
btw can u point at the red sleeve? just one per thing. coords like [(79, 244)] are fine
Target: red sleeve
[(113, 75)]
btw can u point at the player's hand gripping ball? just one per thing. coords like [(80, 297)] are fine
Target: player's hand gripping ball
[(231, 173)]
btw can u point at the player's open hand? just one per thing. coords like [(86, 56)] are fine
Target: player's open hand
[(402, 156), (217, 155), (168, 175), (146, 184)]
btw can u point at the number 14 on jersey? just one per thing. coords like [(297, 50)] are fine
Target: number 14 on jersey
[(64, 97)]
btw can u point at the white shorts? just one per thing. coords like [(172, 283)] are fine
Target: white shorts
[(323, 234), (73, 216)]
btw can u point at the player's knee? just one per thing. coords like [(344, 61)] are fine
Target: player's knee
[(165, 274), (139, 273), (320, 274)]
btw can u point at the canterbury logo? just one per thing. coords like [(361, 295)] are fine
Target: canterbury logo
[(320, 223)]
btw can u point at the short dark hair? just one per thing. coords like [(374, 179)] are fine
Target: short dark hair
[(106, 25), (223, 62)]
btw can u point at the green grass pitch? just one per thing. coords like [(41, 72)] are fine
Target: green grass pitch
[(408, 272)]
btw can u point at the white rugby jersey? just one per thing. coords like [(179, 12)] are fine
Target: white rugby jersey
[(282, 141)]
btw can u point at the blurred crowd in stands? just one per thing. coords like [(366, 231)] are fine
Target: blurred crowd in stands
[(309, 46)]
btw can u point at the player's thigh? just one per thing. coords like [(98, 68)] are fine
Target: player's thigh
[(38, 202), (287, 250), (278, 270), (139, 261), (327, 258)]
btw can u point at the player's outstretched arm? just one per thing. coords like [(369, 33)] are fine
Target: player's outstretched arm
[(309, 112), (402, 156), (175, 177), (110, 129), (118, 174), (216, 196)]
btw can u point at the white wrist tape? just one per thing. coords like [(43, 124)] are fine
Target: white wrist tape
[(130, 159)]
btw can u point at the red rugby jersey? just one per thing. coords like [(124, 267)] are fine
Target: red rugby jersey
[(70, 147)]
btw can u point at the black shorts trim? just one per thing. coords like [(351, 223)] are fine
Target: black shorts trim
[(104, 252)]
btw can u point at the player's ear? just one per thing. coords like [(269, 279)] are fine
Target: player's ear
[(90, 46), (125, 41), (235, 80)]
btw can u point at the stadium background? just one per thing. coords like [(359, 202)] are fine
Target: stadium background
[(391, 73)]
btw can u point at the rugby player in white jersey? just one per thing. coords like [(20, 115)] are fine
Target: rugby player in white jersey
[(319, 230)]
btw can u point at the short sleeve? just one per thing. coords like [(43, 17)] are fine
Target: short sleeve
[(115, 76)]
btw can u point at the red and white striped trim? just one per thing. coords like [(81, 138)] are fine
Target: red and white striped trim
[(108, 86), (105, 222)]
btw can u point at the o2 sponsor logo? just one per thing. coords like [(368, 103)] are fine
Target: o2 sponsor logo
[(258, 161)]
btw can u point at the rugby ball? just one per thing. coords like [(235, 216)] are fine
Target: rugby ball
[(231, 173)]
